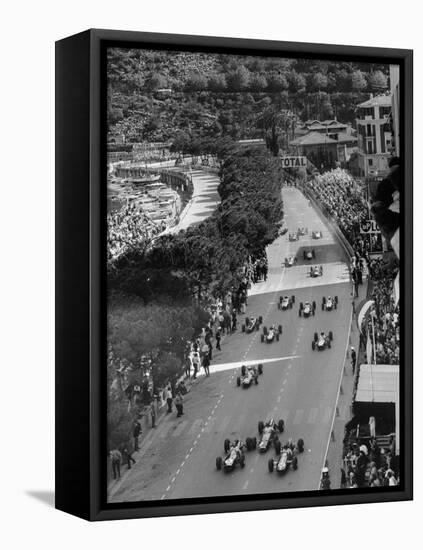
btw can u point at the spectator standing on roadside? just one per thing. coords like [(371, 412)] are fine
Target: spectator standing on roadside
[(136, 432), (218, 338), (206, 365), (179, 404), (188, 365), (195, 363), (116, 457), (169, 399), (153, 414), (128, 457), (353, 359), (234, 320)]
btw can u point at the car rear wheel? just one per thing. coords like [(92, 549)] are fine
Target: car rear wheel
[(270, 465), (254, 441), (243, 368), (295, 463), (293, 299), (301, 305), (260, 368), (226, 445), (281, 425), (243, 328), (280, 329), (248, 443), (330, 335), (238, 381), (315, 336), (300, 445), (265, 331), (262, 338), (219, 462), (260, 427), (260, 319)]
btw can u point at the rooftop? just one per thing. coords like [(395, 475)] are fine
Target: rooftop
[(314, 138), (381, 100)]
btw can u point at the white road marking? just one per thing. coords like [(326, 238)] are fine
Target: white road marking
[(312, 416), (298, 416), (173, 479), (168, 488), (187, 456), (245, 485)]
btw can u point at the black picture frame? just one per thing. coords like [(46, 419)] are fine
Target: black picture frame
[(81, 284)]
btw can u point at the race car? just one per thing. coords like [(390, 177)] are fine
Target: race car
[(269, 434), (316, 271), (302, 231), (287, 457), (269, 335), (293, 237), (309, 254), (234, 456), (286, 302), (317, 234), (290, 261), (249, 375), (322, 341), (307, 309), (330, 303), (251, 324)]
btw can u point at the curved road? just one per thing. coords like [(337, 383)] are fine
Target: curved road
[(298, 385)]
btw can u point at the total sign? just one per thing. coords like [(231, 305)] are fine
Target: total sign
[(294, 162)]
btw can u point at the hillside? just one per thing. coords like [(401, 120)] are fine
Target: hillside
[(152, 94)]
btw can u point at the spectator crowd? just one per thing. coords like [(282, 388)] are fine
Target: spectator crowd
[(127, 229)]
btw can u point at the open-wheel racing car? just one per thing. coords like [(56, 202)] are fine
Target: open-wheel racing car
[(322, 341), (269, 434), (251, 324), (317, 234), (286, 302), (293, 237), (287, 457), (302, 231), (309, 254), (234, 454), (329, 303), (316, 271), (307, 309), (249, 375), (290, 261), (271, 334)]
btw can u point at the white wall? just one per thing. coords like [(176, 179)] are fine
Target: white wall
[(29, 30)]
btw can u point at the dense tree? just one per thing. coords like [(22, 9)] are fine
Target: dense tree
[(196, 82), (358, 81), (377, 81), (217, 82), (277, 83), (156, 81), (317, 82), (239, 79), (258, 83)]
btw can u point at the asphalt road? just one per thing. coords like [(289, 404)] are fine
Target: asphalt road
[(298, 385)]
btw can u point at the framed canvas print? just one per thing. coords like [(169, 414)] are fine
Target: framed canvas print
[(234, 274)]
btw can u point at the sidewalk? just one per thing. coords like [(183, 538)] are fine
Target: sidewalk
[(149, 434), (344, 404)]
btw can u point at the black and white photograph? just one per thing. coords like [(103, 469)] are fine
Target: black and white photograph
[(253, 280)]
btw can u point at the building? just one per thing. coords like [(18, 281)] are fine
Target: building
[(320, 149), (374, 136), (395, 113)]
